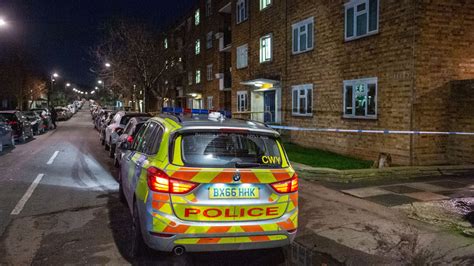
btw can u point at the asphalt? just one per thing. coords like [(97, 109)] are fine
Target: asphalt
[(74, 215)]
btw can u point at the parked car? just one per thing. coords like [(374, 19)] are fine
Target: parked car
[(6, 134), (115, 129), (45, 114), (187, 182), (36, 122), (72, 108), (22, 129), (63, 113), (104, 122), (128, 135)]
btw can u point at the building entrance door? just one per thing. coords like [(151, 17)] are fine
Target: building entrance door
[(269, 99)]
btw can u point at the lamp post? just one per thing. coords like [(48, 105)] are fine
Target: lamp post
[(53, 78)]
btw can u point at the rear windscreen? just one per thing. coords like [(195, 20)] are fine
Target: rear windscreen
[(230, 150)]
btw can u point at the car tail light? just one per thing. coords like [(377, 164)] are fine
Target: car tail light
[(287, 186), (159, 181), (130, 139)]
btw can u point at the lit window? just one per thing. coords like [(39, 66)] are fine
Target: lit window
[(302, 100), (266, 48), (198, 76), (242, 56), (190, 78), (209, 40), (303, 36), (242, 101), (265, 3), (360, 98), (197, 17), (197, 47), (242, 11), (361, 18), (165, 43), (210, 104), (208, 7), (209, 72)]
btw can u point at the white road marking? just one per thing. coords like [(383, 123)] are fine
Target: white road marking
[(19, 206), (51, 160)]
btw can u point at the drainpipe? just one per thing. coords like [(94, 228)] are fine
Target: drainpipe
[(413, 84)]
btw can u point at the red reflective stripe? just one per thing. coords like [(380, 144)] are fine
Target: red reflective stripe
[(259, 238), (185, 174), (208, 240), (218, 229), (157, 205), (178, 229), (287, 225), (223, 177), (252, 228), (249, 177), (160, 197), (281, 175)]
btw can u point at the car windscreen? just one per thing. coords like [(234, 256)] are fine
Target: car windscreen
[(219, 149)]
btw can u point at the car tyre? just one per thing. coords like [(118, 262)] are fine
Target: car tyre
[(112, 151), (137, 245)]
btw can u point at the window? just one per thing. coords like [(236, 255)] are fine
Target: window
[(302, 100), (198, 76), (360, 98), (210, 104), (209, 72), (208, 8), (197, 17), (362, 18), (190, 78), (242, 11), (303, 36), (242, 56), (165, 43), (266, 48), (209, 40), (197, 47), (242, 101), (264, 4)]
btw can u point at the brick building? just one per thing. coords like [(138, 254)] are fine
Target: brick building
[(352, 64)]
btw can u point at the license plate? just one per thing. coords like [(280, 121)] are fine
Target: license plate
[(234, 192)]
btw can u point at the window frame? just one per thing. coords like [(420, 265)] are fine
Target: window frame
[(210, 102), (303, 87), (269, 36), (208, 8), (209, 40), (209, 73), (268, 3), (353, 83), (198, 78), (298, 25), (197, 17), (238, 53), (353, 4), (246, 98), (197, 47), (245, 6)]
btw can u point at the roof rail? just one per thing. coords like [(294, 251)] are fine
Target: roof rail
[(173, 117)]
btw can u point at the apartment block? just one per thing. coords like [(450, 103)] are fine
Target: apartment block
[(383, 65)]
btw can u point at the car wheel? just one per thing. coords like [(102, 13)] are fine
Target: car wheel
[(112, 151), (137, 245), (121, 194), (22, 138)]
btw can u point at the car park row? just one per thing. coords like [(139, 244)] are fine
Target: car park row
[(20, 126)]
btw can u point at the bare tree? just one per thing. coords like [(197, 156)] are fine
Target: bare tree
[(138, 62)]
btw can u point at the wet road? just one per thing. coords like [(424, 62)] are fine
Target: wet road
[(59, 205)]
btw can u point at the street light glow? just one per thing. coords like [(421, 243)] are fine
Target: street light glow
[(99, 81), (108, 65), (55, 75), (3, 23), (68, 84)]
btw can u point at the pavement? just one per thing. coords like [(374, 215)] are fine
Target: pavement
[(73, 216)]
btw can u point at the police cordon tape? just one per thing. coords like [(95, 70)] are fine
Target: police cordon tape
[(385, 131)]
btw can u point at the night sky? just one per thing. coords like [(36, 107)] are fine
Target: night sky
[(58, 34)]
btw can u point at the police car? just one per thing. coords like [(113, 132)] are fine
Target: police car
[(207, 184)]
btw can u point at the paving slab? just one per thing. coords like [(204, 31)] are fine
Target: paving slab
[(426, 187), (365, 192), (391, 200), (426, 196), (401, 189), (448, 184)]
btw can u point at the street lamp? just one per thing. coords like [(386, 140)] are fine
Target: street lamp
[(68, 84), (108, 65), (3, 23), (54, 76), (100, 81)]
